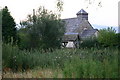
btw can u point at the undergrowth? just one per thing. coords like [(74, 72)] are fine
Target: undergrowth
[(74, 63)]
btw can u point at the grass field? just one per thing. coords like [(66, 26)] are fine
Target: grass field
[(62, 63)]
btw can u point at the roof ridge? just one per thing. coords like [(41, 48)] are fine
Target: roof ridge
[(70, 18)]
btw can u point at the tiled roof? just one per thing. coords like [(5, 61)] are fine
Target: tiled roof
[(70, 37), (71, 24), (88, 33), (76, 25)]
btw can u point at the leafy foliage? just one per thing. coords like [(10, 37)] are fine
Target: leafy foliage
[(118, 39), (89, 42), (9, 32), (24, 40), (107, 37), (45, 30), (59, 7)]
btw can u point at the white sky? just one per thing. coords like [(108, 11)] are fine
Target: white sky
[(106, 15)]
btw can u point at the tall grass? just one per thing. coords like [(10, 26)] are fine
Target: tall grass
[(23, 60), (75, 63), (88, 68)]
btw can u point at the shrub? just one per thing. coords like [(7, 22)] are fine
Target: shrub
[(107, 37), (89, 42), (118, 39), (24, 43)]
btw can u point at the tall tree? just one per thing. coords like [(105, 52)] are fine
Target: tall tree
[(9, 31), (50, 29), (45, 31)]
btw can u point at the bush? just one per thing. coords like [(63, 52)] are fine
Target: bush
[(107, 37), (24, 43), (89, 42), (118, 39)]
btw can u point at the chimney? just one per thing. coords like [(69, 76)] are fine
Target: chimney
[(82, 14)]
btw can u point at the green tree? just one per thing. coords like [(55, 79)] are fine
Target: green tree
[(48, 28), (24, 40), (28, 38), (59, 7), (44, 30), (9, 32), (118, 39), (107, 37)]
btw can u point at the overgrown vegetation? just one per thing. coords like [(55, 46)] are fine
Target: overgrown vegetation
[(74, 63), (94, 66), (108, 37), (89, 43)]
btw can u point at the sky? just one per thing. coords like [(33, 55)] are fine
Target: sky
[(106, 15)]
